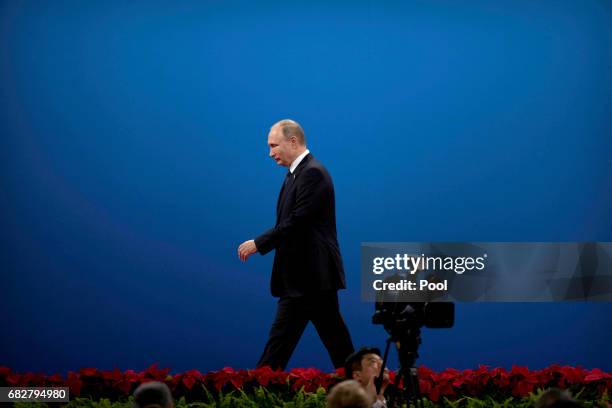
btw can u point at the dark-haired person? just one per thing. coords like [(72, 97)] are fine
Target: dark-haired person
[(364, 365), (153, 395), (307, 270), (556, 398)]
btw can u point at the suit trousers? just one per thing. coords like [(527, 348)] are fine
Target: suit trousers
[(292, 317)]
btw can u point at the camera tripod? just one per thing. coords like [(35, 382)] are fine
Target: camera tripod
[(407, 379)]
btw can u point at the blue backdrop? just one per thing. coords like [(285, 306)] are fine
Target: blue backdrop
[(134, 161)]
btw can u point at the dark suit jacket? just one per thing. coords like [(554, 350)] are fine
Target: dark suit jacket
[(307, 257)]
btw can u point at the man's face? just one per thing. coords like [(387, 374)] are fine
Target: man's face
[(370, 367), (281, 149)]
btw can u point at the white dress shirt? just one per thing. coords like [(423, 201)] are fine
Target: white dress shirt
[(298, 160)]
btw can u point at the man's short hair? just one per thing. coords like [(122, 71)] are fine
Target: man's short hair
[(153, 394), (353, 362), (291, 128), (348, 394), (556, 398)]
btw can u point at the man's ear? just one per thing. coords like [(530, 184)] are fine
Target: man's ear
[(357, 375)]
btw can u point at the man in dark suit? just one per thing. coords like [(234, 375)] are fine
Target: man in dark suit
[(307, 271)]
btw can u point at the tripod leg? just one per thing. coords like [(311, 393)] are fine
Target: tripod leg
[(398, 391), (416, 387)]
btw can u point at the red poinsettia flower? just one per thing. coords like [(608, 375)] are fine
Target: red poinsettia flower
[(13, 378), (220, 378), (89, 372), (190, 378), (597, 375), (55, 380), (523, 381), (4, 371), (308, 378), (112, 376), (425, 386), (264, 375), (500, 378), (130, 381), (154, 373), (569, 375), (74, 383)]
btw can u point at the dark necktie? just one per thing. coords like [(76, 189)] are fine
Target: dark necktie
[(288, 180), (283, 193)]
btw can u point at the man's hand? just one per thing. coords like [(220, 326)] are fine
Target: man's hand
[(385, 382), (246, 249), (371, 388)]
